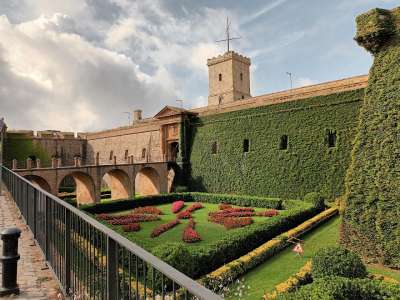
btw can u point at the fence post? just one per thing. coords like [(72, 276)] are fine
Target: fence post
[(67, 247), (112, 269), (46, 218)]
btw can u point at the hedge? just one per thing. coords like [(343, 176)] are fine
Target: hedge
[(307, 165), (333, 288), (229, 272), (371, 217), (302, 277), (118, 205)]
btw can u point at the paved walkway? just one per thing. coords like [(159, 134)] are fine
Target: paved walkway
[(35, 281)]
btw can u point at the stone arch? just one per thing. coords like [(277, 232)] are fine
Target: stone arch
[(119, 183), (39, 182), (85, 188), (147, 182)]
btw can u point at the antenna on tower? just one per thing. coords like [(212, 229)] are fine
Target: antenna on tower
[(228, 35)]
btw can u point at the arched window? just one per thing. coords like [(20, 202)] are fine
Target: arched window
[(242, 97), (144, 153), (111, 154), (241, 76), (219, 99), (126, 154), (220, 77)]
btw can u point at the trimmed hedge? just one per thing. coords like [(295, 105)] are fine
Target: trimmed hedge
[(316, 199), (337, 261), (229, 272), (308, 164), (371, 217), (334, 288), (117, 205)]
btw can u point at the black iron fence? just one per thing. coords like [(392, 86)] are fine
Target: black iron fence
[(90, 260)]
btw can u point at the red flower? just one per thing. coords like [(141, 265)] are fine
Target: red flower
[(268, 213), (184, 215), (190, 235), (177, 206), (231, 223), (223, 206), (151, 210), (163, 228), (187, 213), (134, 218), (131, 227)]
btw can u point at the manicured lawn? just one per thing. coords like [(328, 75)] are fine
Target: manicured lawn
[(280, 267), (381, 270), (208, 231)]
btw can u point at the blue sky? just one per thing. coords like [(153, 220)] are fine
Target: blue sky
[(79, 65)]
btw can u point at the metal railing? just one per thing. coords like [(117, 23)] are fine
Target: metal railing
[(91, 260)]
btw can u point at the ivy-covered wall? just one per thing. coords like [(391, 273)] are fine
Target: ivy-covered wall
[(371, 219), (308, 164)]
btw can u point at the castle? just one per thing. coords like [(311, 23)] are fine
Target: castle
[(251, 141)]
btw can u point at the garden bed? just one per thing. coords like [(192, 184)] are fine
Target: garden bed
[(217, 244)]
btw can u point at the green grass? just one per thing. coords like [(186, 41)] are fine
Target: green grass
[(381, 270), (208, 231), (280, 267)]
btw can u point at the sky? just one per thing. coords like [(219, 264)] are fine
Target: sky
[(81, 65)]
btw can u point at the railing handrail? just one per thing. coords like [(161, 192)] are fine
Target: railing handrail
[(183, 280)]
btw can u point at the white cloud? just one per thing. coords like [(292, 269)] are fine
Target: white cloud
[(303, 81), (264, 10)]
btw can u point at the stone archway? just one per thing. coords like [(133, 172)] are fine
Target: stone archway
[(147, 182), (39, 182), (85, 188), (119, 183)]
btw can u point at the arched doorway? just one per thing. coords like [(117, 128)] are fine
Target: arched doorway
[(39, 182), (147, 182), (119, 184), (83, 187), (173, 150)]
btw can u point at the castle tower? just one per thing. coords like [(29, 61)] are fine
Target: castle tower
[(229, 78)]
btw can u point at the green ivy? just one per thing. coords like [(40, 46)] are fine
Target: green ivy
[(21, 148), (371, 221), (307, 165)]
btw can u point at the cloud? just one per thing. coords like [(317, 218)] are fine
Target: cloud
[(303, 81), (264, 10)]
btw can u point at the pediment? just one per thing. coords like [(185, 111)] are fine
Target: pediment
[(169, 111)]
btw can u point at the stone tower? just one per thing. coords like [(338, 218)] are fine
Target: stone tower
[(229, 78)]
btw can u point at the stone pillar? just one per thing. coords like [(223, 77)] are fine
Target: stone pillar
[(79, 162), (76, 162), (58, 162), (14, 164), (38, 163), (54, 162), (29, 163)]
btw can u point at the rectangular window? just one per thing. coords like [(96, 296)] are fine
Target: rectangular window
[(246, 146), (214, 148), (111, 154), (144, 153), (283, 145), (126, 154), (331, 138)]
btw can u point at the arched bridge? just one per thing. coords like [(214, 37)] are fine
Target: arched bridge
[(124, 180)]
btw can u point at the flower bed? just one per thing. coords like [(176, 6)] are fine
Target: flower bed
[(163, 228), (268, 213), (190, 235), (136, 218), (177, 206), (231, 223), (151, 210), (187, 213), (223, 206), (131, 227)]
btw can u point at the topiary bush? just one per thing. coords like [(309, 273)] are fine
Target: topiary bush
[(334, 288), (337, 261), (316, 199)]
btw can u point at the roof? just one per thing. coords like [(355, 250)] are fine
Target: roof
[(169, 111)]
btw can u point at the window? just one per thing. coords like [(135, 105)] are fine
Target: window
[(144, 153), (126, 154), (283, 145), (214, 148), (331, 138), (97, 156), (220, 77), (219, 99), (246, 145), (111, 154), (242, 97), (241, 76)]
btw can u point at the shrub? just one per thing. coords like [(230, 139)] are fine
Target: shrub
[(337, 261), (231, 223), (190, 235), (131, 227), (181, 189), (152, 210), (163, 228), (332, 288), (268, 213), (223, 206), (177, 206), (128, 219), (315, 199)]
